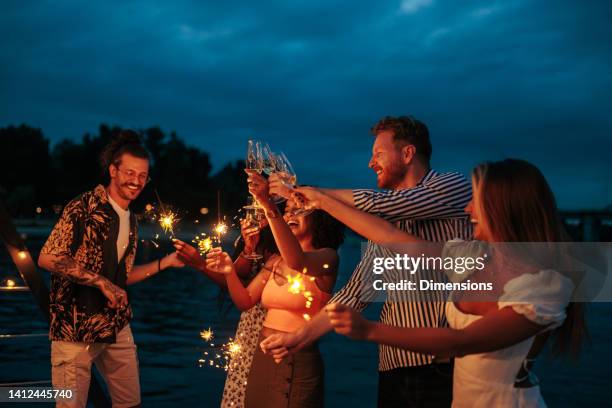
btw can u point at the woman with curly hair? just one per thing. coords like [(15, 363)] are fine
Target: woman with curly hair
[(291, 286), (253, 240)]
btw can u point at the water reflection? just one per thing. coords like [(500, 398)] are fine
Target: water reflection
[(171, 309)]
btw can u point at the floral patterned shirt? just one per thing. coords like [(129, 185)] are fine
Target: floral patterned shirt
[(87, 232)]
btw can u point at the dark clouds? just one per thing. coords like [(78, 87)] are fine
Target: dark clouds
[(492, 79)]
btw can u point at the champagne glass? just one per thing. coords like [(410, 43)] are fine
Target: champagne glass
[(268, 158), (272, 164), (253, 217), (289, 178), (285, 170), (254, 159)]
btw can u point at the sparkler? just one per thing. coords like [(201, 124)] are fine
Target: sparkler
[(233, 348), (207, 334), (221, 228), (167, 220), (296, 284), (227, 356), (203, 243)]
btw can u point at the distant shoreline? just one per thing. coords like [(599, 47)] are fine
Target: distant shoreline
[(42, 228), (30, 227)]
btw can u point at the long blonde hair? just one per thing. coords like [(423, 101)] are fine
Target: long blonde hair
[(517, 205)]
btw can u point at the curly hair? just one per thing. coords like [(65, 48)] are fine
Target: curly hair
[(409, 130), (128, 141), (327, 232)]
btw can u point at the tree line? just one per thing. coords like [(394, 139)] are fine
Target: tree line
[(37, 178)]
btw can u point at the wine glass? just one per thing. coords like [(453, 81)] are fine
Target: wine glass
[(268, 158), (285, 170), (289, 178), (254, 159), (272, 164), (253, 216)]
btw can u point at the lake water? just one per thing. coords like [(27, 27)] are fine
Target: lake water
[(172, 307)]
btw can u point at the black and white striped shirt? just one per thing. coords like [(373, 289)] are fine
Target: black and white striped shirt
[(433, 210)]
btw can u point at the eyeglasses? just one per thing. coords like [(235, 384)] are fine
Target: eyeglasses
[(142, 178)]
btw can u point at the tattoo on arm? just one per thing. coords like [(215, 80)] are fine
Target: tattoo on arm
[(68, 268)]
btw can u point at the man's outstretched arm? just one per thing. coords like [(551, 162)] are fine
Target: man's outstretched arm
[(344, 196), (375, 229), (442, 197), (277, 186), (145, 271)]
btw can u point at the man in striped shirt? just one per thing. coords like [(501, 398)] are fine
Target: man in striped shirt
[(416, 199)]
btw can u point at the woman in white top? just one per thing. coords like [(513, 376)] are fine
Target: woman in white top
[(491, 341)]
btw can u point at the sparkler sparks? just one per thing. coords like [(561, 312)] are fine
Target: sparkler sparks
[(221, 228), (233, 348), (167, 220), (203, 243), (227, 356), (296, 284), (207, 334)]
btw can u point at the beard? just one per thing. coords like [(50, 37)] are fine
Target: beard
[(128, 194), (392, 176)]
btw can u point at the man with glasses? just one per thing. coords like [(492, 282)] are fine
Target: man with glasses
[(90, 254)]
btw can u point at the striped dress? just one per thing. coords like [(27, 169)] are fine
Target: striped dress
[(433, 210)]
